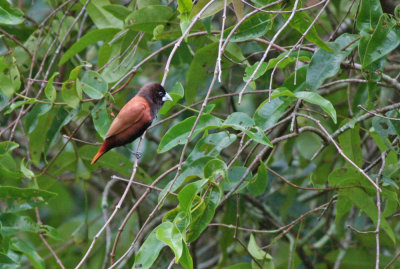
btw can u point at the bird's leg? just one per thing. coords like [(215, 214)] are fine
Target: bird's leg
[(137, 154)]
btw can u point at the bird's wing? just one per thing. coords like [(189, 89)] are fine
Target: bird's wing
[(132, 112)]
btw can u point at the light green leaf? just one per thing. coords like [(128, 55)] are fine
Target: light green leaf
[(10, 15), (184, 6), (50, 90), (214, 8), (256, 251), (100, 17), (176, 93), (178, 134), (149, 251), (168, 233), (211, 145), (94, 85), (101, 119), (241, 121), (10, 81), (250, 70), (216, 168), (350, 142)]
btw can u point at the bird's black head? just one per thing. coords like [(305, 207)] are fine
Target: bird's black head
[(155, 94)]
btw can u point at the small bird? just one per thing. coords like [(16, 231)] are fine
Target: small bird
[(134, 118)]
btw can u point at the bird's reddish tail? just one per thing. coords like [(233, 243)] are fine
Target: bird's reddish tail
[(103, 149)]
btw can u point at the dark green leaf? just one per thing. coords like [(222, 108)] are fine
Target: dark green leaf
[(147, 18), (260, 181), (24, 193), (325, 64), (369, 14), (203, 60), (88, 39), (350, 142), (253, 27), (118, 11), (384, 39)]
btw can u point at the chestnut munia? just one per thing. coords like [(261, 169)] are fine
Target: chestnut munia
[(134, 118)]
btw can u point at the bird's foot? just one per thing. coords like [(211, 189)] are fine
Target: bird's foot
[(137, 154)]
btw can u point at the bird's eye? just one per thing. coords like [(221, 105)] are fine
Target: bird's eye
[(160, 93)]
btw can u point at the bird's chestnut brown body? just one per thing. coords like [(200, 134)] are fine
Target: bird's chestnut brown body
[(134, 118)]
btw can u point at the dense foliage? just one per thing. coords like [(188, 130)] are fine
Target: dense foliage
[(280, 148)]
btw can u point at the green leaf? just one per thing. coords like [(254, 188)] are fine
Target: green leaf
[(3, 101), (311, 97), (149, 251), (211, 145), (50, 90), (250, 70), (269, 112), (253, 27), (202, 61), (292, 58), (7, 146), (256, 251), (168, 233), (360, 197), (216, 168), (325, 64), (4, 259), (100, 17), (184, 6), (300, 22), (10, 15), (18, 104), (10, 81), (93, 84), (88, 39), (186, 259), (22, 246), (70, 90), (176, 93), (214, 8), (101, 119), (350, 142), (369, 14), (259, 182), (24, 193), (187, 195), (147, 18), (203, 215), (178, 134), (26, 171), (241, 121), (384, 39), (118, 11)]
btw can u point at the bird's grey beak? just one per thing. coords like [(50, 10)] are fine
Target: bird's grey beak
[(167, 97)]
